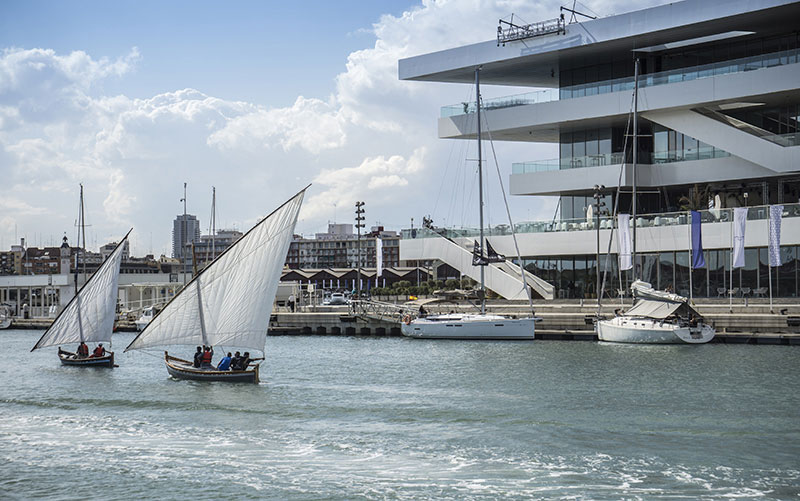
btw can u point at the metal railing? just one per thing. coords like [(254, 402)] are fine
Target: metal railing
[(378, 310), (606, 222)]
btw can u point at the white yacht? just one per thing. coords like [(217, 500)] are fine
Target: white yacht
[(469, 326), (147, 315), (483, 325), (5, 317), (656, 317)]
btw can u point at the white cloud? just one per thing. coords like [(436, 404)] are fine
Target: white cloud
[(376, 179), (310, 124)]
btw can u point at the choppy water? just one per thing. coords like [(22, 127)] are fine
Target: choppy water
[(370, 418)]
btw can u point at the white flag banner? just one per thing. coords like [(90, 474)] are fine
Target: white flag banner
[(739, 222), (775, 214), (624, 236), (378, 256)]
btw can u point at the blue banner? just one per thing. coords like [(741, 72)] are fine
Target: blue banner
[(698, 260)]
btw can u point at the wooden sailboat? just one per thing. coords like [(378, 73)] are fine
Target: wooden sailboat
[(229, 302), (89, 316)]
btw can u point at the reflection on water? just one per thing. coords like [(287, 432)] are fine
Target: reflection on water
[(350, 418)]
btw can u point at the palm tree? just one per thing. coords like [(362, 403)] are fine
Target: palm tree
[(697, 199)]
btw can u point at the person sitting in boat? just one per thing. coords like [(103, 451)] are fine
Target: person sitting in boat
[(422, 312), (198, 357), (236, 362), (208, 354), (246, 360), (83, 350), (225, 363), (99, 351)]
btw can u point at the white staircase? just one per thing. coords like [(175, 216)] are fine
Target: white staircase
[(502, 278)]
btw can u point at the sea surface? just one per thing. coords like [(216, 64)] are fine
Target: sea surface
[(393, 418)]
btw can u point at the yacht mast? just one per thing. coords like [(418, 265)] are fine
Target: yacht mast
[(635, 155), (480, 181)]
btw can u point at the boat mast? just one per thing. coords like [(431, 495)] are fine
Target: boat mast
[(83, 231), (635, 155), (480, 181), (82, 218)]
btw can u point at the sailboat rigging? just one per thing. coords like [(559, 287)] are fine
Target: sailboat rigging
[(657, 317), (482, 325), (89, 316), (229, 302)]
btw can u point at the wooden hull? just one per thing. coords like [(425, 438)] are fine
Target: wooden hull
[(69, 358), (183, 369)]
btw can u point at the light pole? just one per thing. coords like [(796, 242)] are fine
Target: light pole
[(359, 224), (598, 206), (183, 236)]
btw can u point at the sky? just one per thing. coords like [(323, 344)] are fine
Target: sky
[(258, 99)]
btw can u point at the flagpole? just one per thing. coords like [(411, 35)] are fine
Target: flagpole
[(691, 263), (769, 257), (730, 282)]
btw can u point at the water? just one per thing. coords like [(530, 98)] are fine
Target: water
[(370, 418)]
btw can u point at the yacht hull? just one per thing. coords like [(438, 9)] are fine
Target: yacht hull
[(470, 327), (624, 329), (69, 358), (183, 369)]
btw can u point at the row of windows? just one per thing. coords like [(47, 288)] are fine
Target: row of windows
[(601, 69), (575, 277)]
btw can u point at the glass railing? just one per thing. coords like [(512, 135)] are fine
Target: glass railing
[(702, 153), (606, 222), (541, 96), (626, 83), (567, 163), (791, 139)]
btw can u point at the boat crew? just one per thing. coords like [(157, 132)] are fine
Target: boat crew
[(99, 351), (83, 350), (208, 354)]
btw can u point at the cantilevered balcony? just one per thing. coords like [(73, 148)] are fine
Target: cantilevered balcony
[(781, 58), (601, 160)]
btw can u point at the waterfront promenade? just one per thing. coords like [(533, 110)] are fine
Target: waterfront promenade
[(562, 320)]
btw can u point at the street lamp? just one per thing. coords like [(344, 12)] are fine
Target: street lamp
[(359, 224), (598, 207)]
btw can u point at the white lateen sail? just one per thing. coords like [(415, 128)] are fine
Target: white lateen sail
[(89, 317), (230, 301)]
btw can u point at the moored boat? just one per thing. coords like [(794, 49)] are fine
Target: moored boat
[(469, 326), (5, 317), (657, 317), (482, 325)]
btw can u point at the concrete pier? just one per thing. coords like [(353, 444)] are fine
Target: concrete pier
[(750, 323)]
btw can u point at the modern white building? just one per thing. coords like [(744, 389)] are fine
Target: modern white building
[(718, 111)]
